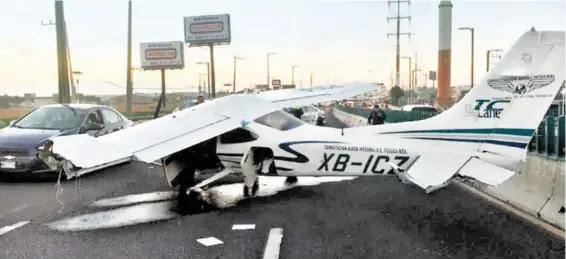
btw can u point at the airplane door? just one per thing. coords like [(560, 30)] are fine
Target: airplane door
[(233, 145)]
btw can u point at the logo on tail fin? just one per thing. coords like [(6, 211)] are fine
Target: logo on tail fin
[(520, 85)]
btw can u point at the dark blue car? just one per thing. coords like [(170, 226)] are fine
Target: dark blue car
[(20, 140)]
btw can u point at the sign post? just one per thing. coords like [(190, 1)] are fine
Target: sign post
[(208, 30), (432, 76), (276, 83), (162, 56)]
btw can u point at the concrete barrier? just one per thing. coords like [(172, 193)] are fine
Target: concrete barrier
[(553, 211), (538, 190), (530, 189)]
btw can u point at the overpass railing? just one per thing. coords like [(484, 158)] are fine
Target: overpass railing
[(549, 139)]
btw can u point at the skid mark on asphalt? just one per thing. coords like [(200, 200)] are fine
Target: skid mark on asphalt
[(7, 229), (229, 195), (131, 215), (223, 196), (134, 198)]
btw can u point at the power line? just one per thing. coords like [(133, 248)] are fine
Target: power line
[(398, 34)]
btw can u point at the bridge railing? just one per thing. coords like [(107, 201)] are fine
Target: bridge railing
[(549, 139)]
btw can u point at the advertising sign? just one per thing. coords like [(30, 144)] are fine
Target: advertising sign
[(207, 29), (162, 55), (432, 75), (276, 83)]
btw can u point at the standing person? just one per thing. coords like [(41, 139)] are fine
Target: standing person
[(200, 99), (298, 112), (376, 116)]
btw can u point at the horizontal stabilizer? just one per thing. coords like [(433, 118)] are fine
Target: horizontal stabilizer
[(433, 171)]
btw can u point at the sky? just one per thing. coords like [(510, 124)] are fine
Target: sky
[(337, 41)]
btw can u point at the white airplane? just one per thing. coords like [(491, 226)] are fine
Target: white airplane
[(484, 136)]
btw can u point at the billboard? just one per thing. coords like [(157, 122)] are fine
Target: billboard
[(432, 75), (276, 83), (207, 29), (162, 55)]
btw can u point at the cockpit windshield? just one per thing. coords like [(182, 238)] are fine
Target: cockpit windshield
[(279, 120)]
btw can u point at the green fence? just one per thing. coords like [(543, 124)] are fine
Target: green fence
[(548, 139), (392, 116)]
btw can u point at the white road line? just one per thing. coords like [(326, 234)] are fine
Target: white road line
[(273, 244), (7, 229), (210, 241), (243, 226)]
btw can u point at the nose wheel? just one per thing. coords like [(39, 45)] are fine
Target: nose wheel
[(254, 189)]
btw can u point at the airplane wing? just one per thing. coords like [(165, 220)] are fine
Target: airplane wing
[(316, 94), (166, 135)]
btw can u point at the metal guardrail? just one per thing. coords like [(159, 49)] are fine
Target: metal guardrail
[(549, 139)]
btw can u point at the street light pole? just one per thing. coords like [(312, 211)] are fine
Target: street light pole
[(472, 54), (293, 74), (268, 54), (410, 69), (77, 98), (311, 78), (488, 58), (234, 79)]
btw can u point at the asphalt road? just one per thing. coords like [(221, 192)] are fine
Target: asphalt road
[(360, 218)]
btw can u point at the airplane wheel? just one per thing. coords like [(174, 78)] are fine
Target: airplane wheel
[(291, 180), (255, 187), (246, 191)]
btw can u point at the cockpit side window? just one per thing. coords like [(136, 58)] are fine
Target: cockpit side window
[(279, 120), (236, 136)]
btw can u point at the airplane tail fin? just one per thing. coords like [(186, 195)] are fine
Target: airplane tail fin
[(501, 113)]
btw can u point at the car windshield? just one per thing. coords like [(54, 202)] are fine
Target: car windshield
[(279, 120), (187, 104), (51, 118)]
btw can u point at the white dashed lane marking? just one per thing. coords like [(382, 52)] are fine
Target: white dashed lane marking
[(210, 241), (273, 245), (243, 226), (7, 229)]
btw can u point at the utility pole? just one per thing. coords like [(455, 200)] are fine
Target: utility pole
[(398, 34), (268, 79), (311, 78), (208, 75), (62, 59), (234, 79), (293, 74), (410, 69), (129, 85), (471, 53), (415, 76)]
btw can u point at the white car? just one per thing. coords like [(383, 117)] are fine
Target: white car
[(419, 108), (310, 114)]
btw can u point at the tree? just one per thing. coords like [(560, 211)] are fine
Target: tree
[(395, 94)]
